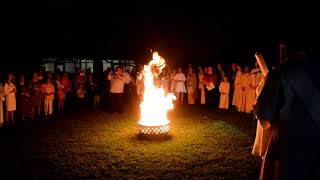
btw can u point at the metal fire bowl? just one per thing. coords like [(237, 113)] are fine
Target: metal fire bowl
[(154, 130)]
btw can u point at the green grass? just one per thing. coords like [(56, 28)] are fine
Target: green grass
[(103, 146)]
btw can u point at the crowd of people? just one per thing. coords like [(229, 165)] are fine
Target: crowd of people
[(216, 87), (43, 93)]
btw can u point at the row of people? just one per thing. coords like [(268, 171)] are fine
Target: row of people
[(35, 98), (205, 86), (215, 88)]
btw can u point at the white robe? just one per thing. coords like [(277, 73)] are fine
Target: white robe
[(248, 101), (224, 98), (262, 135), (180, 78), (166, 83), (242, 93), (237, 90), (255, 79), (201, 89), (10, 97), (1, 104), (172, 83)]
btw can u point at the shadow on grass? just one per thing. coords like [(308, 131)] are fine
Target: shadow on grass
[(153, 138)]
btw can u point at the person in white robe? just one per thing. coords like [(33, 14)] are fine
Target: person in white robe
[(254, 80), (180, 79), (1, 105), (224, 90), (173, 82), (9, 90), (220, 73), (237, 97), (201, 86), (247, 98), (48, 90), (191, 85), (263, 136), (242, 92), (140, 84), (165, 81)]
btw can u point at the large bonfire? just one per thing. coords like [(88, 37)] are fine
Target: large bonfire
[(156, 102)]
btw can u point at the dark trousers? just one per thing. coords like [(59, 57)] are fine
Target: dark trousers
[(210, 95), (116, 102)]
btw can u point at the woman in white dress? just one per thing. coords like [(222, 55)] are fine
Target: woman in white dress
[(224, 89), (180, 79), (9, 90), (237, 96)]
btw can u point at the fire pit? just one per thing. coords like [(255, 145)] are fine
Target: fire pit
[(156, 102), (154, 130)]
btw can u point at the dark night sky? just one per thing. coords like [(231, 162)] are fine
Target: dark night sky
[(190, 33)]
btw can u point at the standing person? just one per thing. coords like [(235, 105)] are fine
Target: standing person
[(255, 78), (232, 76), (37, 95), (26, 104), (1, 105), (97, 93), (127, 78), (117, 82), (21, 85), (165, 81), (50, 76), (191, 85), (237, 94), (49, 91), (201, 86), (133, 83), (224, 90), (216, 94), (180, 79), (106, 90), (66, 83), (40, 76), (246, 106), (61, 93), (80, 91), (289, 103), (220, 74), (9, 90), (173, 82), (90, 90), (206, 70), (140, 84), (210, 81)]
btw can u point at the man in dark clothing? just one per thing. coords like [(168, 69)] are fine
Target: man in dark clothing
[(289, 101), (231, 77)]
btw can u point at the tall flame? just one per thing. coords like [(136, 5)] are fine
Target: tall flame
[(156, 102)]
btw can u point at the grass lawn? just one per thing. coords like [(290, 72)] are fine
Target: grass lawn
[(202, 143)]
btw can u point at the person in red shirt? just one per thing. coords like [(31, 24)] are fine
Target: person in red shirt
[(211, 86)]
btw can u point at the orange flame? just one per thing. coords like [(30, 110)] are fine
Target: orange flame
[(156, 102)]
